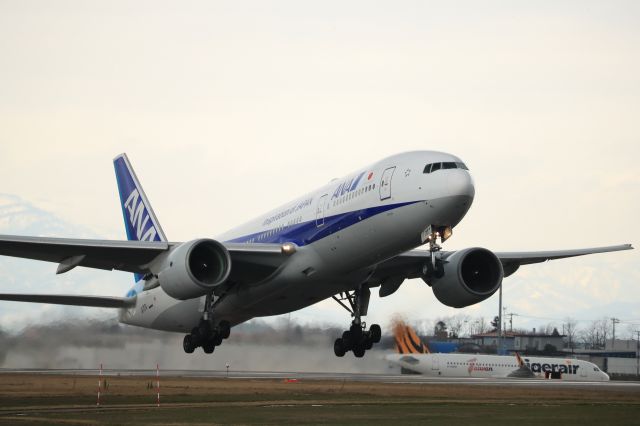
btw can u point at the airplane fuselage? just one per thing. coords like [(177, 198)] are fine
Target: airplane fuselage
[(341, 232), (496, 366)]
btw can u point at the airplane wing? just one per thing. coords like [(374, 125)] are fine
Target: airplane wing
[(511, 261), (409, 264), (130, 256), (252, 262)]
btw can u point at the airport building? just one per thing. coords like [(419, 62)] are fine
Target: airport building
[(619, 357), (522, 342)]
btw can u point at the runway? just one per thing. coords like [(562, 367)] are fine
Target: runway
[(192, 396), (346, 377)]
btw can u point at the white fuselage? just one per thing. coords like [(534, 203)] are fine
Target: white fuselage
[(342, 231), (496, 366)]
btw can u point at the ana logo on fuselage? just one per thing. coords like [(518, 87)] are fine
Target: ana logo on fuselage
[(347, 186), (138, 217)]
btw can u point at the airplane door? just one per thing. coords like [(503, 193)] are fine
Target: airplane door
[(583, 371), (320, 210), (435, 362), (385, 183)]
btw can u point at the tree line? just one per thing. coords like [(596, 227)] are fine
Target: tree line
[(585, 334)]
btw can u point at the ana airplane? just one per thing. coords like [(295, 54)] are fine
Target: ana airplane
[(414, 357), (339, 241)]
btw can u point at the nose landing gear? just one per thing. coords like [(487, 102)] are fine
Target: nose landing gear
[(357, 339), (434, 267)]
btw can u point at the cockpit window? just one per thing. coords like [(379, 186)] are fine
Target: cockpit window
[(430, 168)]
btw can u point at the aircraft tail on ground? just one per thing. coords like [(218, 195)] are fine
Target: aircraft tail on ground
[(519, 359), (407, 341)]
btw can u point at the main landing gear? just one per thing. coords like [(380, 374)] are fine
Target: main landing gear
[(206, 334), (357, 339)]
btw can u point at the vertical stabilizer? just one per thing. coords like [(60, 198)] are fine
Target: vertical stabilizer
[(407, 341), (140, 221)]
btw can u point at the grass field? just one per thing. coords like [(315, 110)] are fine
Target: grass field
[(40, 399)]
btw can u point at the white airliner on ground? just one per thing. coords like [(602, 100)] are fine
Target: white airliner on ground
[(413, 356), (338, 241)]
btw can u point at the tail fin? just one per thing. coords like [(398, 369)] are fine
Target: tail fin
[(407, 341), (519, 359), (140, 221)]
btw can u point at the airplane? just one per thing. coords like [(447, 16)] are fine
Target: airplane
[(413, 356), (339, 241)]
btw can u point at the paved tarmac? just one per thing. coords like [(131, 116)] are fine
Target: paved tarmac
[(354, 377)]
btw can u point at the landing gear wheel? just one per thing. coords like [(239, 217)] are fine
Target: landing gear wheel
[(347, 341), (188, 344), (217, 341), (375, 333), (208, 347), (224, 329), (358, 351), (338, 347), (368, 344), (203, 331)]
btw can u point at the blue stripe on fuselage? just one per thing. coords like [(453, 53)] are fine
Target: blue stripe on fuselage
[(305, 233), (308, 232)]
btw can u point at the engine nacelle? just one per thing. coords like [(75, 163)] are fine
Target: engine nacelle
[(194, 268), (470, 276)]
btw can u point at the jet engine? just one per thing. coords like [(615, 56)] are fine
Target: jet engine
[(469, 276), (194, 268)]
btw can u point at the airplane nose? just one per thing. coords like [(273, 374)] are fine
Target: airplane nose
[(460, 182)]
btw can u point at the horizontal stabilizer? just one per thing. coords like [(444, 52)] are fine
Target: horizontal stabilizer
[(94, 301)]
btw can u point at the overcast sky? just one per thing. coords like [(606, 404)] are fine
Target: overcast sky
[(228, 109)]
